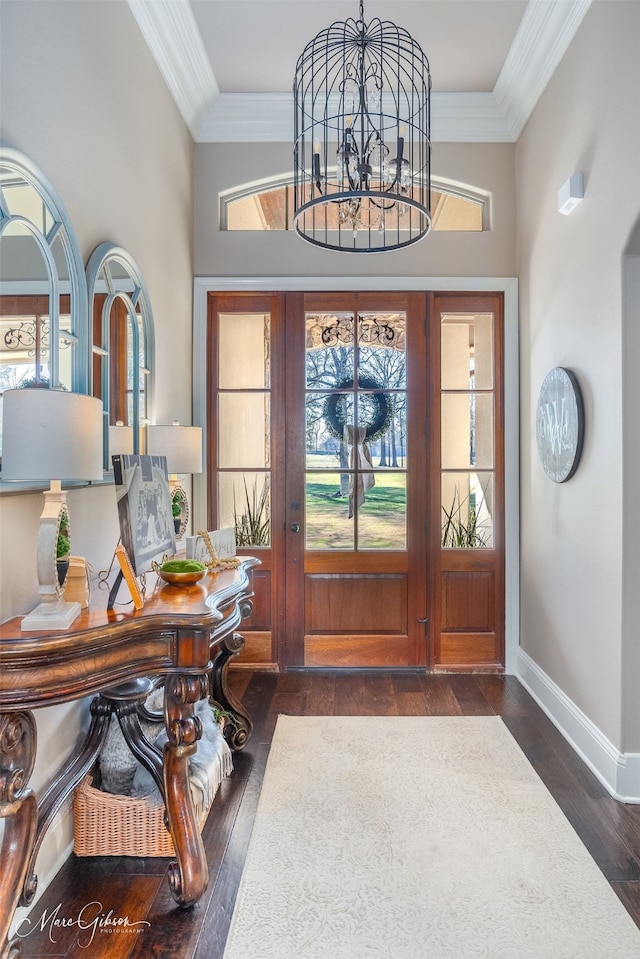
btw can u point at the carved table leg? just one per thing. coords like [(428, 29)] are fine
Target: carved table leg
[(236, 733), (123, 700), (60, 789), (19, 809), (188, 874)]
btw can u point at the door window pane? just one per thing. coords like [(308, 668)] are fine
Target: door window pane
[(244, 343), (467, 430), (243, 430), (383, 515), (467, 510), (467, 351), (330, 349), (244, 502), (327, 523)]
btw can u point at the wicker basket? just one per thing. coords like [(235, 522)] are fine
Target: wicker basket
[(109, 825)]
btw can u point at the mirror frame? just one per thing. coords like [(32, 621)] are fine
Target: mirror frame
[(136, 302), (62, 229)]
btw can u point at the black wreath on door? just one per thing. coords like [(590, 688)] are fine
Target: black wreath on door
[(381, 402)]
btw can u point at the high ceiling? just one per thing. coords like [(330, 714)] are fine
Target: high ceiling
[(230, 63)]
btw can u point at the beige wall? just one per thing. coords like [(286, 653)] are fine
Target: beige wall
[(81, 95), (224, 166), (570, 310)]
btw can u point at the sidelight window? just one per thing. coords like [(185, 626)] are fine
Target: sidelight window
[(467, 430)]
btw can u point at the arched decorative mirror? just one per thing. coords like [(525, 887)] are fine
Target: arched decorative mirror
[(123, 347), (43, 297)]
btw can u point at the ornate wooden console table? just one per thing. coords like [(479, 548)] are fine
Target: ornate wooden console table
[(185, 634)]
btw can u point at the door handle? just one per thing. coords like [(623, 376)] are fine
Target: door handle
[(295, 527)]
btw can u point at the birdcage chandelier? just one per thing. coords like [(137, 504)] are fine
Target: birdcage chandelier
[(362, 151)]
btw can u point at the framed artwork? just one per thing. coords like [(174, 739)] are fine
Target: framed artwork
[(560, 424), (144, 509)]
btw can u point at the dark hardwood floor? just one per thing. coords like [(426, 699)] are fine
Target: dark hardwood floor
[(137, 888)]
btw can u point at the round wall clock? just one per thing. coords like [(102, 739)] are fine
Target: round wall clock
[(560, 424)]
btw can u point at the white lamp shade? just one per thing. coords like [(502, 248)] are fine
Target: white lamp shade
[(120, 439), (182, 445), (51, 435)]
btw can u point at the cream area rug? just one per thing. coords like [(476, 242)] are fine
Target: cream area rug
[(416, 838)]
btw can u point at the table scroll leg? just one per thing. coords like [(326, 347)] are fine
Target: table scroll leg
[(236, 733), (188, 874), (64, 783), (19, 809)]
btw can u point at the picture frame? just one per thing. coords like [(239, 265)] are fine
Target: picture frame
[(144, 509), (129, 577)]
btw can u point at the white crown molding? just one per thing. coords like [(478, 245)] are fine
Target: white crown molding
[(171, 33), (268, 118), (541, 41)]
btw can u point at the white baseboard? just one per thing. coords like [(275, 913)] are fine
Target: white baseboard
[(618, 772)]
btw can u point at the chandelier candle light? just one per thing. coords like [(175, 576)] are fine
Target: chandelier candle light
[(362, 151)]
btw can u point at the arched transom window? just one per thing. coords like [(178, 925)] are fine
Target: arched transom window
[(269, 206)]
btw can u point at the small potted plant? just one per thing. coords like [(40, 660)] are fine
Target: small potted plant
[(63, 547)]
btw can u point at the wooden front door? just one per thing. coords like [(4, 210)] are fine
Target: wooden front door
[(354, 441), (356, 477)]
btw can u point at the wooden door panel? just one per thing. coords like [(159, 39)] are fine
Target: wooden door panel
[(257, 628), (468, 600), (357, 651), (355, 604), (467, 651)]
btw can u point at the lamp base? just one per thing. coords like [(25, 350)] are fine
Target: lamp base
[(50, 616)]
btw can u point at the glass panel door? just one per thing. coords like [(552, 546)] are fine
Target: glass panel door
[(355, 550)]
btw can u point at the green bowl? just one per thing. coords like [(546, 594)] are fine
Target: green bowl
[(182, 579)]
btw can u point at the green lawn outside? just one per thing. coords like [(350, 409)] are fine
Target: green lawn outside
[(381, 519)]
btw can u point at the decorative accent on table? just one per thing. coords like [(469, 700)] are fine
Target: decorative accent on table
[(181, 572), (215, 561), (144, 509), (219, 545), (126, 573), (560, 424)]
